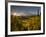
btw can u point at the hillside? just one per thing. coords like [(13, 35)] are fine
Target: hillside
[(23, 23)]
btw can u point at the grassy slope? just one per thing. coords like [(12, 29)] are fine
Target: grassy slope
[(20, 23)]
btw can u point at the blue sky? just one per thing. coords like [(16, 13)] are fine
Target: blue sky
[(27, 10)]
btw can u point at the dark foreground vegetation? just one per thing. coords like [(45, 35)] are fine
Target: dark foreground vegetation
[(25, 23)]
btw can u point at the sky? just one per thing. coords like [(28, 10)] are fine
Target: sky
[(25, 10)]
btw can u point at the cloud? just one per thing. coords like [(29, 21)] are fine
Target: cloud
[(19, 14), (24, 13)]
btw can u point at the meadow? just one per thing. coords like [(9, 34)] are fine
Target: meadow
[(25, 23)]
